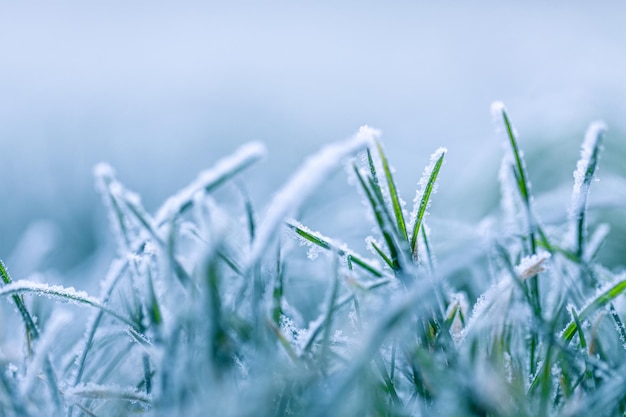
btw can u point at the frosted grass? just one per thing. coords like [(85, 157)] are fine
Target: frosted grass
[(340, 335), (222, 172), (583, 176), (303, 183), (60, 293)]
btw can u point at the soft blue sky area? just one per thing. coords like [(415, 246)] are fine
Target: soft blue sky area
[(162, 90)]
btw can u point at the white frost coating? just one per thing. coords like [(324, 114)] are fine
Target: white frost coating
[(508, 196), (592, 137), (532, 265), (103, 170), (96, 391), (313, 172), (498, 109), (65, 293), (245, 155), (581, 188), (334, 246), (423, 182)]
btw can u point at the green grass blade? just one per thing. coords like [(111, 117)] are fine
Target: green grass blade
[(419, 211), (327, 243), (599, 301), (519, 172), (393, 192), (519, 166), (383, 220), (382, 254)]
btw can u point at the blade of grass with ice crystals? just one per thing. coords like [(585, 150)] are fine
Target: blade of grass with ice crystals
[(116, 271), (210, 179), (584, 174), (328, 320), (249, 211), (431, 174), (94, 391), (62, 293), (599, 301), (327, 243), (302, 184), (393, 192), (383, 219), (520, 168)]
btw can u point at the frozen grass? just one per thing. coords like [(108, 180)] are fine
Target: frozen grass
[(201, 312)]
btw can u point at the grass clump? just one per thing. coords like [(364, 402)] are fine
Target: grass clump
[(201, 310)]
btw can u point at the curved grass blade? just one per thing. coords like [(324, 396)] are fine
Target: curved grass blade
[(64, 294), (210, 179), (599, 301), (431, 172)]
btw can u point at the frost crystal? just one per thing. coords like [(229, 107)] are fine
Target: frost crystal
[(423, 183), (591, 142), (532, 265)]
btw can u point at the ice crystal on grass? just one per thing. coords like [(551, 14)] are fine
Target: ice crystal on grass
[(532, 265), (422, 185)]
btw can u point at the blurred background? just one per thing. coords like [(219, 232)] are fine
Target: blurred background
[(161, 90)]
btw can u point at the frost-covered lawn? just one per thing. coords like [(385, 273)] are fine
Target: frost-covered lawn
[(211, 307)]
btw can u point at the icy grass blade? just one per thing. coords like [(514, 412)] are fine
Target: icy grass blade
[(115, 273), (596, 303), (499, 110), (328, 320), (210, 179), (583, 176), (302, 184), (328, 244), (99, 392), (393, 192), (249, 211), (64, 294), (427, 186), (41, 362), (383, 218)]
